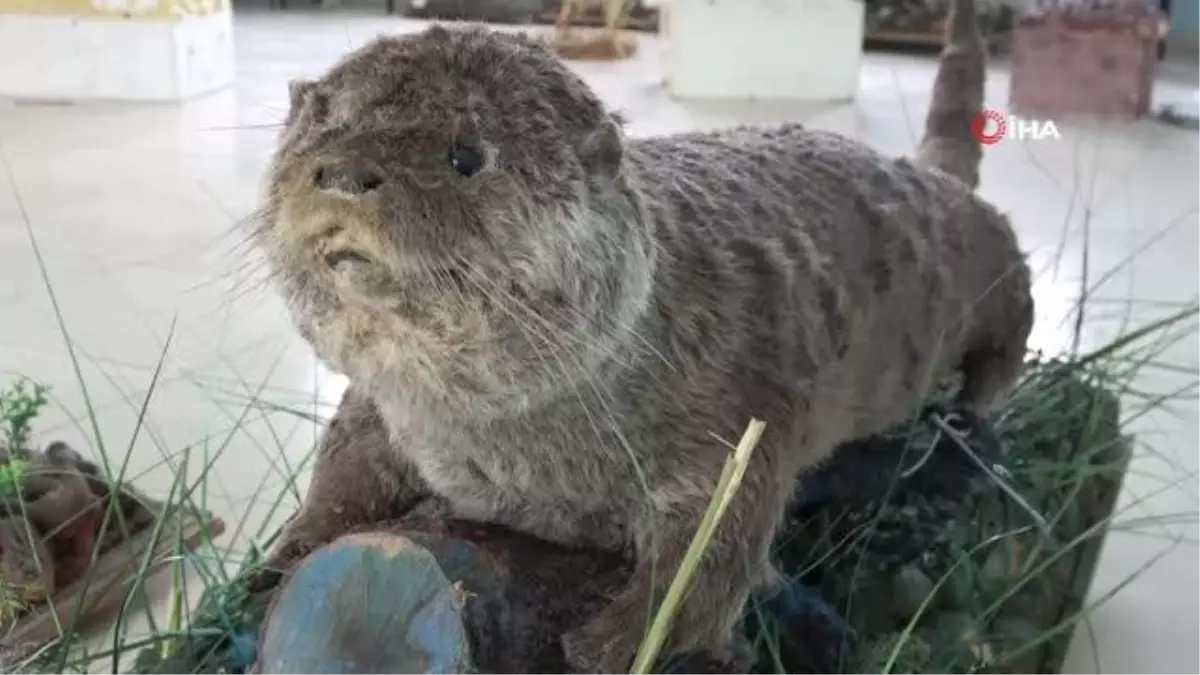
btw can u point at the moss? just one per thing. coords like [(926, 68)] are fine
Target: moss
[(12, 606)]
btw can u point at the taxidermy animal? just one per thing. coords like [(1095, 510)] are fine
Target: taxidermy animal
[(547, 323)]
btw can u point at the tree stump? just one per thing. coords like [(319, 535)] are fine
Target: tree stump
[(368, 603)]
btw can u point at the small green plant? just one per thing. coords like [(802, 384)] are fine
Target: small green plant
[(19, 406), (12, 473)]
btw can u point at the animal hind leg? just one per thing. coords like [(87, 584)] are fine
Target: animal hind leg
[(988, 373), (735, 562), (992, 365)]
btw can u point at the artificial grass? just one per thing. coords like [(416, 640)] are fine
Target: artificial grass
[(958, 576)]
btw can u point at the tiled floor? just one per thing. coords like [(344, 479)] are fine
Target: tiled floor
[(134, 210)]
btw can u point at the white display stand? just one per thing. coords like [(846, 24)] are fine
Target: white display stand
[(769, 49), (128, 50)]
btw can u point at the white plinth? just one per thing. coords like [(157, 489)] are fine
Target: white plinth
[(47, 56), (770, 49)]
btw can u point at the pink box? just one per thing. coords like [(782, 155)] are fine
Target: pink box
[(1097, 62)]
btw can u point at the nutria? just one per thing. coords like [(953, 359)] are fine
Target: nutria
[(550, 324)]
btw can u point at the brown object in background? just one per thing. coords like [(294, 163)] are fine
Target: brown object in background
[(26, 565), (51, 552), (594, 45), (1099, 63)]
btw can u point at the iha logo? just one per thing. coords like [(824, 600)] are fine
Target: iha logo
[(990, 127)]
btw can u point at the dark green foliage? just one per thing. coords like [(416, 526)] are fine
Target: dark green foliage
[(221, 638), (933, 583)]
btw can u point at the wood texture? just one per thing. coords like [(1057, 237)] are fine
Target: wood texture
[(107, 583), (373, 602)]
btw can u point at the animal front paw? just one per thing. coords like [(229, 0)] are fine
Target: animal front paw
[(605, 645), (291, 550)]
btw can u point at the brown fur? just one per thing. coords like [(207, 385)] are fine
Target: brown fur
[(551, 343)]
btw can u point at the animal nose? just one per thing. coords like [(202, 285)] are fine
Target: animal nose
[(347, 176)]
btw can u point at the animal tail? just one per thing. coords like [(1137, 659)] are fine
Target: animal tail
[(949, 143)]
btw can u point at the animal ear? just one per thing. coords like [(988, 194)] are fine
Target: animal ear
[(438, 32), (298, 90), (541, 42), (601, 150)]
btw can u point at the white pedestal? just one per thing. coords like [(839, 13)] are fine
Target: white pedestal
[(770, 49), (129, 50)]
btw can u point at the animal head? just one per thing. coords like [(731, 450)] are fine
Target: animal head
[(447, 210)]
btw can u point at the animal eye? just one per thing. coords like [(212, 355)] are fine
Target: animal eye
[(465, 160)]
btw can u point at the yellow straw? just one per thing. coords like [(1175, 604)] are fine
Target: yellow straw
[(727, 485)]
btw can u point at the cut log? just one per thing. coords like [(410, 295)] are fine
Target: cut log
[(367, 603)]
